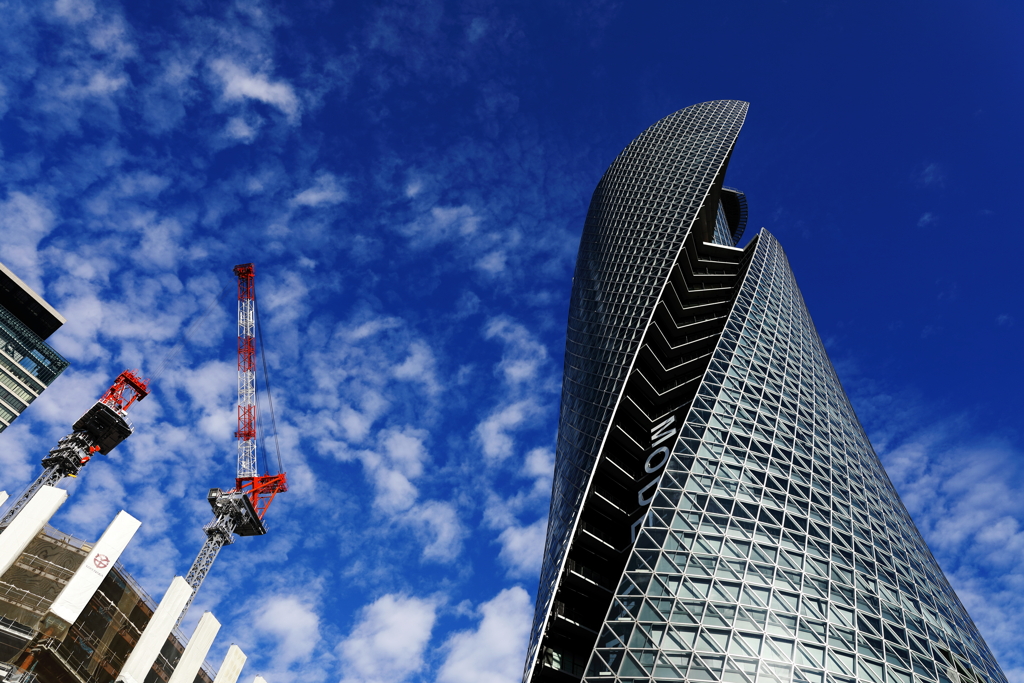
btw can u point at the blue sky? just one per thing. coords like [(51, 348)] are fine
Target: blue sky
[(411, 179)]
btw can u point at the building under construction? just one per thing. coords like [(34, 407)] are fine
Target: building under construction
[(99, 642), (69, 612)]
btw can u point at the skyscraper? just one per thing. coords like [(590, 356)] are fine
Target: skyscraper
[(718, 512), (27, 363)]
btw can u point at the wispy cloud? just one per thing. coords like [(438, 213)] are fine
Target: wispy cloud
[(495, 431), (930, 175), (239, 84), (326, 189), (24, 221)]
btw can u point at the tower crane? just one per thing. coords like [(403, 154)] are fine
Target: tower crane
[(99, 430), (242, 509)]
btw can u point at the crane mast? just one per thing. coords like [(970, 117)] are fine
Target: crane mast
[(99, 430), (246, 433), (239, 510)]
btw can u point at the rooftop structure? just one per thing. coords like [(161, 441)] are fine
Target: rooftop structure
[(718, 512)]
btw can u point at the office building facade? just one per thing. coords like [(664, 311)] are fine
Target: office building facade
[(718, 513), (27, 363)]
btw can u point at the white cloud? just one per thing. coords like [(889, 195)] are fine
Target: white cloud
[(443, 223), (18, 457), (74, 11), (398, 459), (493, 262), (285, 299), (494, 432), (494, 652), (439, 527), (523, 355), (325, 190), (523, 547), (98, 83), (387, 644), (356, 424), (413, 188), (372, 327), (24, 221), (540, 465), (405, 450), (931, 175), (238, 128), (240, 84), (294, 626), (394, 492), (419, 367)]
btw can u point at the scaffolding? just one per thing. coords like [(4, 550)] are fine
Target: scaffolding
[(98, 643)]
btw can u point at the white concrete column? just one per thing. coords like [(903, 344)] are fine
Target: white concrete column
[(3, 498), (94, 568), (231, 667), (29, 522), (140, 661), (195, 652), (259, 679)]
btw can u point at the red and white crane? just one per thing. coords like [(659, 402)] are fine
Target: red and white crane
[(99, 430), (242, 509)]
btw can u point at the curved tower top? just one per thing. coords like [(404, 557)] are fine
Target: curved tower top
[(664, 184)]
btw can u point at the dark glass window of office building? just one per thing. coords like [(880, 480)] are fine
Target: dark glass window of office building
[(718, 513), (27, 363)]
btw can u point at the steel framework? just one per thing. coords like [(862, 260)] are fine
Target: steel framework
[(242, 509), (246, 433)]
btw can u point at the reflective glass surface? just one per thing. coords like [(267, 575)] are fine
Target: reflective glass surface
[(27, 366), (776, 549), (638, 217), (723, 233)]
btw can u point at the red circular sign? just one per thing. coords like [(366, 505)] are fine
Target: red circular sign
[(101, 560)]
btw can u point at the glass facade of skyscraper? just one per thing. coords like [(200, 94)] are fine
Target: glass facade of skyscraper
[(27, 366), (27, 363), (718, 512)]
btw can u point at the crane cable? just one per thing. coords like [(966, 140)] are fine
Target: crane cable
[(266, 375), (270, 397)]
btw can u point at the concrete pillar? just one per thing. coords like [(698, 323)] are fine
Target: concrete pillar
[(97, 564), (140, 661), (195, 652), (3, 498), (29, 522), (259, 679), (231, 667)]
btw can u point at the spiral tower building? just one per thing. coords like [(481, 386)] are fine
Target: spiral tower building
[(718, 513)]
